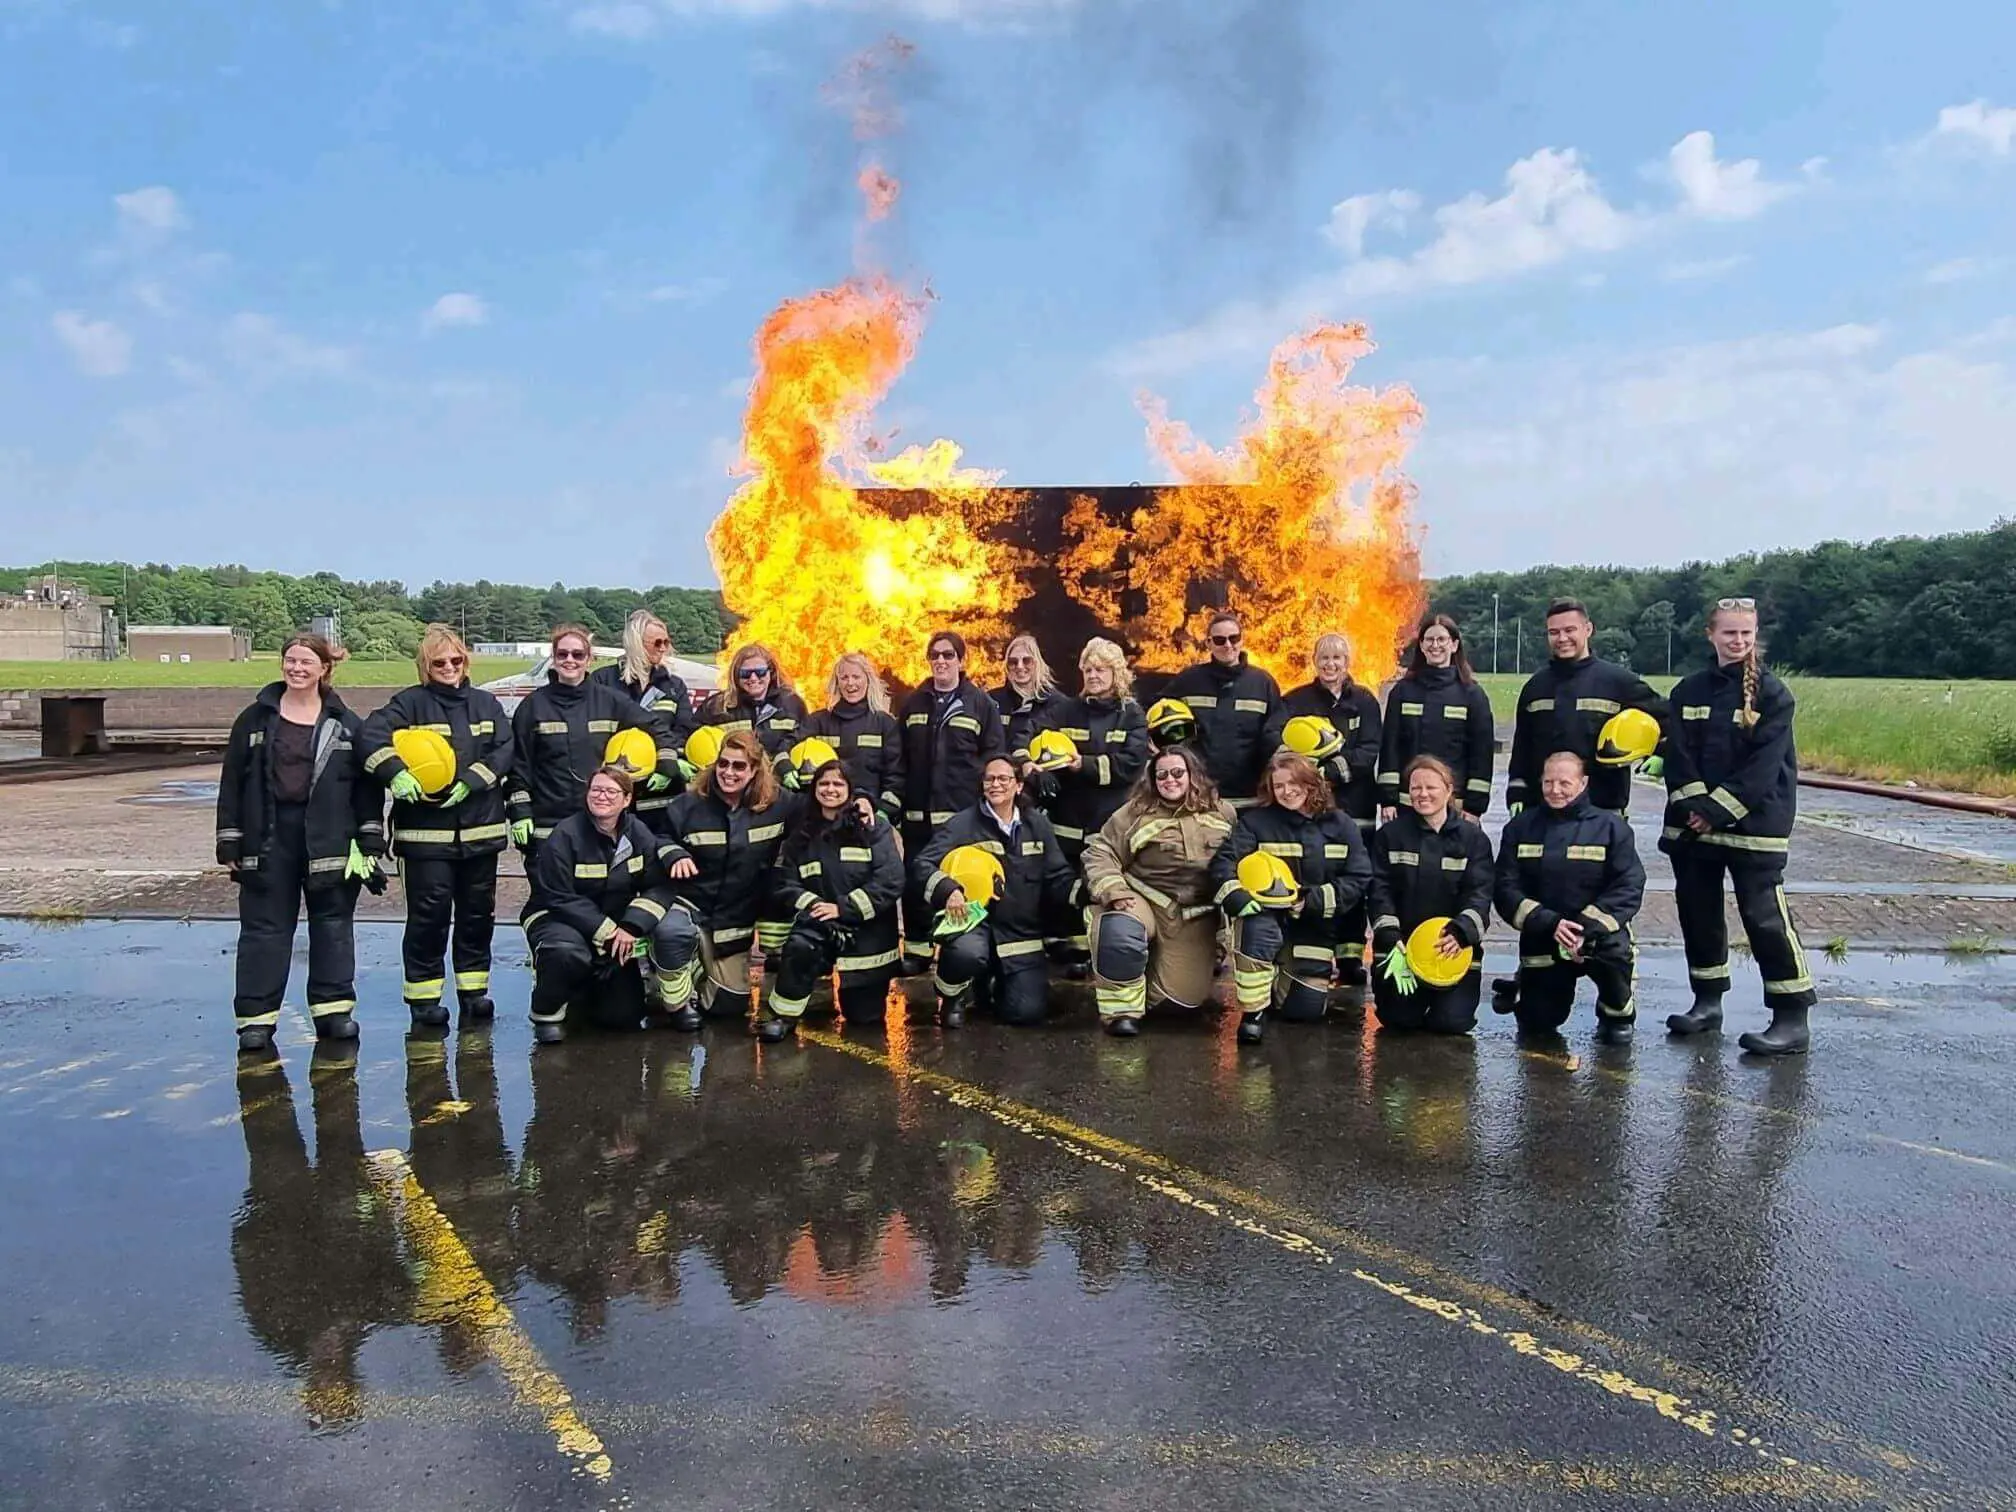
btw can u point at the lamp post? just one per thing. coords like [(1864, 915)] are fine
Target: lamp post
[(1494, 635)]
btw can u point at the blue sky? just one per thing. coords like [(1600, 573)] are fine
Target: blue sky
[(467, 288)]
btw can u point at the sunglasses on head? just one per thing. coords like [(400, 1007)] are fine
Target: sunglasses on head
[(568, 654), (754, 672), (1226, 640), (1747, 603)]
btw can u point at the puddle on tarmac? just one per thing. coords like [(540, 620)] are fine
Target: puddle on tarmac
[(20, 747), (1981, 837), (181, 792)]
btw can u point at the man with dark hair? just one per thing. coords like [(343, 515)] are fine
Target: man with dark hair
[(1236, 704), (950, 728), (1565, 705)]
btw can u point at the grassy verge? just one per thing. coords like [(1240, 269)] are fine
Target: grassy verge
[(257, 672)]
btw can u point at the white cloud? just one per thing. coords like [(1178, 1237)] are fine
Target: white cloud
[(154, 210), (1961, 269), (1350, 219), (635, 20), (1981, 125), (1716, 190), (1703, 268), (99, 348), (262, 347), (451, 311)]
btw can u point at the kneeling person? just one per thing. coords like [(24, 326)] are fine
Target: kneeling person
[(839, 876), (600, 889), (1570, 882), (1430, 861)]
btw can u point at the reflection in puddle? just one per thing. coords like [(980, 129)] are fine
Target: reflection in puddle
[(179, 792)]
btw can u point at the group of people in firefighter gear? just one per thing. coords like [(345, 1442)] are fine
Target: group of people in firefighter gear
[(986, 838)]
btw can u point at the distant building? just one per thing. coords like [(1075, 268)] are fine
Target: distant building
[(57, 621), (328, 626), (187, 643)]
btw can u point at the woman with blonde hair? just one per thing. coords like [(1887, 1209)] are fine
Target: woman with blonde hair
[(1030, 689), (857, 723), (644, 675), (447, 842), (758, 697)]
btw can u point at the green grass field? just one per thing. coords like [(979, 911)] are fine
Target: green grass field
[(260, 670)]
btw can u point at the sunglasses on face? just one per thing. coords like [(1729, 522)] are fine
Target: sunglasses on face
[(569, 655), (749, 672), (1745, 603), (1021, 661), (1171, 774), (658, 645), (733, 766), (1225, 640), (951, 656), (444, 663)]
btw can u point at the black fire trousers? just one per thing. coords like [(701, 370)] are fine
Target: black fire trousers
[(1547, 983), (444, 895), (1758, 881), (269, 911)]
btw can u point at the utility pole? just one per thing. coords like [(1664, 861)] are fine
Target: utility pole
[(1519, 656), (1669, 645), (1494, 635)]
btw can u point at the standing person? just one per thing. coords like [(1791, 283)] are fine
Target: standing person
[(857, 723), (1438, 709), (1732, 780), (1236, 704), (1353, 710), (447, 844), (950, 731), (1031, 687), (758, 697), (839, 877), (1148, 869), (644, 676), (1565, 705), (1568, 879), (1429, 862), (559, 733), (1003, 948), (297, 820), (724, 836), (1282, 938), (600, 888)]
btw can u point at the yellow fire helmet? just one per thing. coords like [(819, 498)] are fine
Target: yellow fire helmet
[(1267, 877), (632, 749), (976, 870), (810, 754), (1627, 737), (428, 757), (1051, 749), (1429, 964), (703, 746), (1313, 736), (1172, 719)]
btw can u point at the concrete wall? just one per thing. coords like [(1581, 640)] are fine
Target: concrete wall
[(51, 632), (135, 709)]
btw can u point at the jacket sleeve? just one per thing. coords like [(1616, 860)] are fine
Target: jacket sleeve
[(493, 766), (1514, 907), (1473, 920), (787, 887), (1481, 754), (381, 762), (1104, 859), (1683, 777), (1623, 882), (1362, 745), (1119, 764), (924, 873), (1240, 844), (367, 799), (1382, 900), (1763, 764), (677, 710), (1391, 758), (889, 798), (1060, 882), (1343, 891), (231, 791), (560, 894), (671, 847), (884, 886), (993, 734), (1522, 776), (518, 791)]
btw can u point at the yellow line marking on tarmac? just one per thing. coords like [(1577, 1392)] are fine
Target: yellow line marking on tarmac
[(462, 1294), (1299, 1233)]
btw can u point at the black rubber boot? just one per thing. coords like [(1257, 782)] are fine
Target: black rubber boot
[(1615, 1031), (686, 1020), (1123, 1028), (336, 1026), (1251, 1028), (1705, 1017), (775, 1029), (479, 1009), (255, 1039), (1788, 1034), (429, 1015), (913, 966), (548, 1034), (1505, 994), (952, 1013)]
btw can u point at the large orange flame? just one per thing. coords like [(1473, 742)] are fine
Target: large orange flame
[(1304, 521)]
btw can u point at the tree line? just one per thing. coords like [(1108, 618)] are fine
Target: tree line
[(379, 620)]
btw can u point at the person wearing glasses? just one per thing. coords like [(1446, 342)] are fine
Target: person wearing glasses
[(1148, 869), (998, 950), (1283, 944), (448, 842), (1237, 706), (1732, 793), (1030, 689), (1565, 705), (758, 697), (1438, 709), (601, 904), (642, 675), (297, 820), (559, 733), (950, 731), (723, 838), (857, 723)]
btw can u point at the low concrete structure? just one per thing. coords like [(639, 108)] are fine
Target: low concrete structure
[(57, 621), (187, 643)]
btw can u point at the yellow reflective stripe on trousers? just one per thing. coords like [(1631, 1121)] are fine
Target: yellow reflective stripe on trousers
[(866, 962), (472, 981), (1013, 948), (333, 1006), (428, 991)]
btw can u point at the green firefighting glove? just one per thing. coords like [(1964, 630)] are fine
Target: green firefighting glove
[(687, 771), (1653, 766), (359, 865), (405, 787), (1400, 972), (790, 778), (521, 833), (1516, 809), (1247, 909), (657, 782), (456, 794)]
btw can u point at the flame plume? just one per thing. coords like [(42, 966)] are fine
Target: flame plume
[(1304, 520)]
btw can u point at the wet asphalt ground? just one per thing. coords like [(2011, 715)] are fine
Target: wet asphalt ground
[(997, 1269)]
